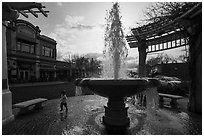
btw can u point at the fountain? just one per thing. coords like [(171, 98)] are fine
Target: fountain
[(116, 116), (112, 85), (86, 113)]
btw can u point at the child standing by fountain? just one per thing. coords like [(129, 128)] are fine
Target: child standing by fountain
[(63, 101)]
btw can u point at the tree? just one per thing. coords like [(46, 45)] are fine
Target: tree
[(89, 65), (166, 10), (185, 57), (161, 58), (152, 69)]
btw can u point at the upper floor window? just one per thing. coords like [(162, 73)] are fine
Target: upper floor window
[(25, 47), (48, 52), (51, 52), (32, 49), (43, 50), (18, 45)]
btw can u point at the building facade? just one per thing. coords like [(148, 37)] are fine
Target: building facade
[(30, 55)]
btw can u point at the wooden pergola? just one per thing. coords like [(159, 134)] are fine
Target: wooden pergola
[(163, 38), (163, 35), (23, 8), (184, 29)]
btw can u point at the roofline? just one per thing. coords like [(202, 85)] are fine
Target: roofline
[(35, 28), (48, 39)]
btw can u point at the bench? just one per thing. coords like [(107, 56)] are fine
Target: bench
[(173, 98), (30, 104)]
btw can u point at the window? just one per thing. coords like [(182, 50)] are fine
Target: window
[(51, 52), (32, 49), (43, 50), (25, 47), (18, 46), (48, 52)]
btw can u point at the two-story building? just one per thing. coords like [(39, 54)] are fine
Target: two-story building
[(31, 56)]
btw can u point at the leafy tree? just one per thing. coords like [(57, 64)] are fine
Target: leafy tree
[(161, 58)]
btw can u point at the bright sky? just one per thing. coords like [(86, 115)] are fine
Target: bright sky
[(78, 27)]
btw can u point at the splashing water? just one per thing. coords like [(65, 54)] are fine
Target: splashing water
[(115, 53), (115, 50)]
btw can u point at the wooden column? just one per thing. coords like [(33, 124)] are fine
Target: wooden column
[(6, 93), (142, 58), (193, 27), (195, 99), (7, 115)]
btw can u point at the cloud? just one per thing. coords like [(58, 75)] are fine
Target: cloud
[(59, 3), (73, 20), (82, 27), (74, 36)]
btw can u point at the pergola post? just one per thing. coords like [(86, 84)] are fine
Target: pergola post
[(142, 59), (6, 93), (195, 44)]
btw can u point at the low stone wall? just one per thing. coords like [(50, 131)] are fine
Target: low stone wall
[(23, 93)]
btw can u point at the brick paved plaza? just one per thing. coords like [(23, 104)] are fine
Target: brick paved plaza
[(84, 118)]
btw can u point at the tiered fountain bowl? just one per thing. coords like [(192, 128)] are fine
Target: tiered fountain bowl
[(116, 116)]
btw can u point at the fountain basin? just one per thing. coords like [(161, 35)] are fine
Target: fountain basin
[(115, 88), (116, 113)]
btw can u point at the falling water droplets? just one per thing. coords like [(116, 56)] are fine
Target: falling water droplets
[(115, 50)]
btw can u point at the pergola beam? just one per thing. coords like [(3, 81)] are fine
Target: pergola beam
[(23, 13), (34, 13), (167, 48), (163, 26), (26, 7), (43, 12)]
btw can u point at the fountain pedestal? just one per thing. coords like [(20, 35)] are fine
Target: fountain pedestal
[(116, 115)]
